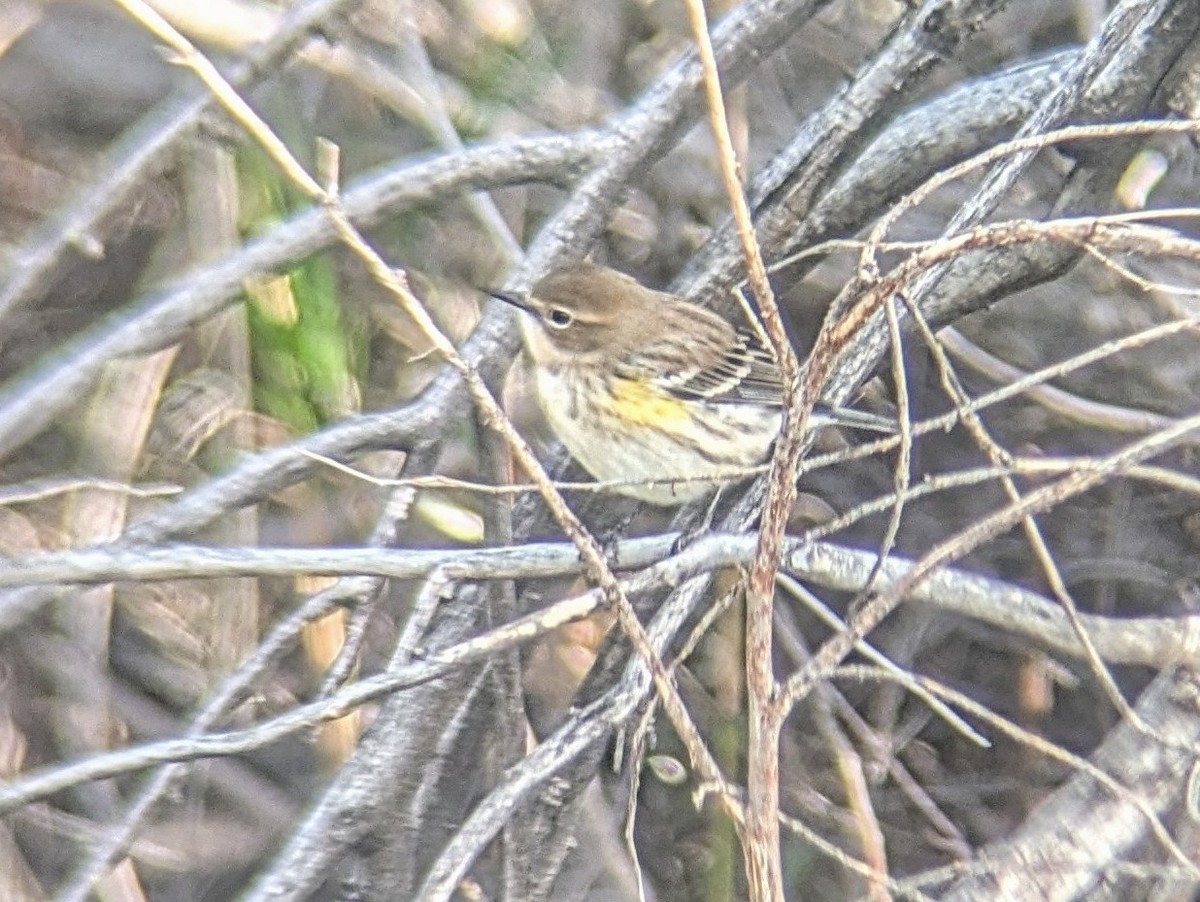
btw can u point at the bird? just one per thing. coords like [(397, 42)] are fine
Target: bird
[(645, 388)]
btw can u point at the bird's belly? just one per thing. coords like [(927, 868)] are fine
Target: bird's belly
[(655, 438)]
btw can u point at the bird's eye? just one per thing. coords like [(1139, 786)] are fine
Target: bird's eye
[(559, 318)]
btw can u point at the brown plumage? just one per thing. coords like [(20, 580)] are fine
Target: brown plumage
[(606, 316), (643, 385)]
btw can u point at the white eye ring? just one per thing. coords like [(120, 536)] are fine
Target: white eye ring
[(559, 318)]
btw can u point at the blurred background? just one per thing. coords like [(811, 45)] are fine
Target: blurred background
[(118, 193)]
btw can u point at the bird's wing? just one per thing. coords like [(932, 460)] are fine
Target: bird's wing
[(723, 365), (738, 370)]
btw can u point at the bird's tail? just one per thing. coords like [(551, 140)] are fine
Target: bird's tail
[(854, 419)]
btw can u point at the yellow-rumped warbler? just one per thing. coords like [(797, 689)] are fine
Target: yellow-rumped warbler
[(641, 385)]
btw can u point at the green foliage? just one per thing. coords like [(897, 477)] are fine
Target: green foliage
[(302, 346)]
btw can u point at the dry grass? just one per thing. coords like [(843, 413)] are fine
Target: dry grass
[(395, 678)]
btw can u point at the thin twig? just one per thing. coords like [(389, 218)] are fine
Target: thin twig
[(760, 844)]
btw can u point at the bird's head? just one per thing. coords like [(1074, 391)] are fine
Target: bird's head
[(583, 310)]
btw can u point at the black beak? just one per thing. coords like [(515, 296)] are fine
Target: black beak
[(518, 299)]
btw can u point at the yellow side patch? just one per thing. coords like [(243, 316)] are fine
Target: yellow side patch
[(645, 404)]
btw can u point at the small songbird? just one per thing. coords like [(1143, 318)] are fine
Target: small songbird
[(645, 387)]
